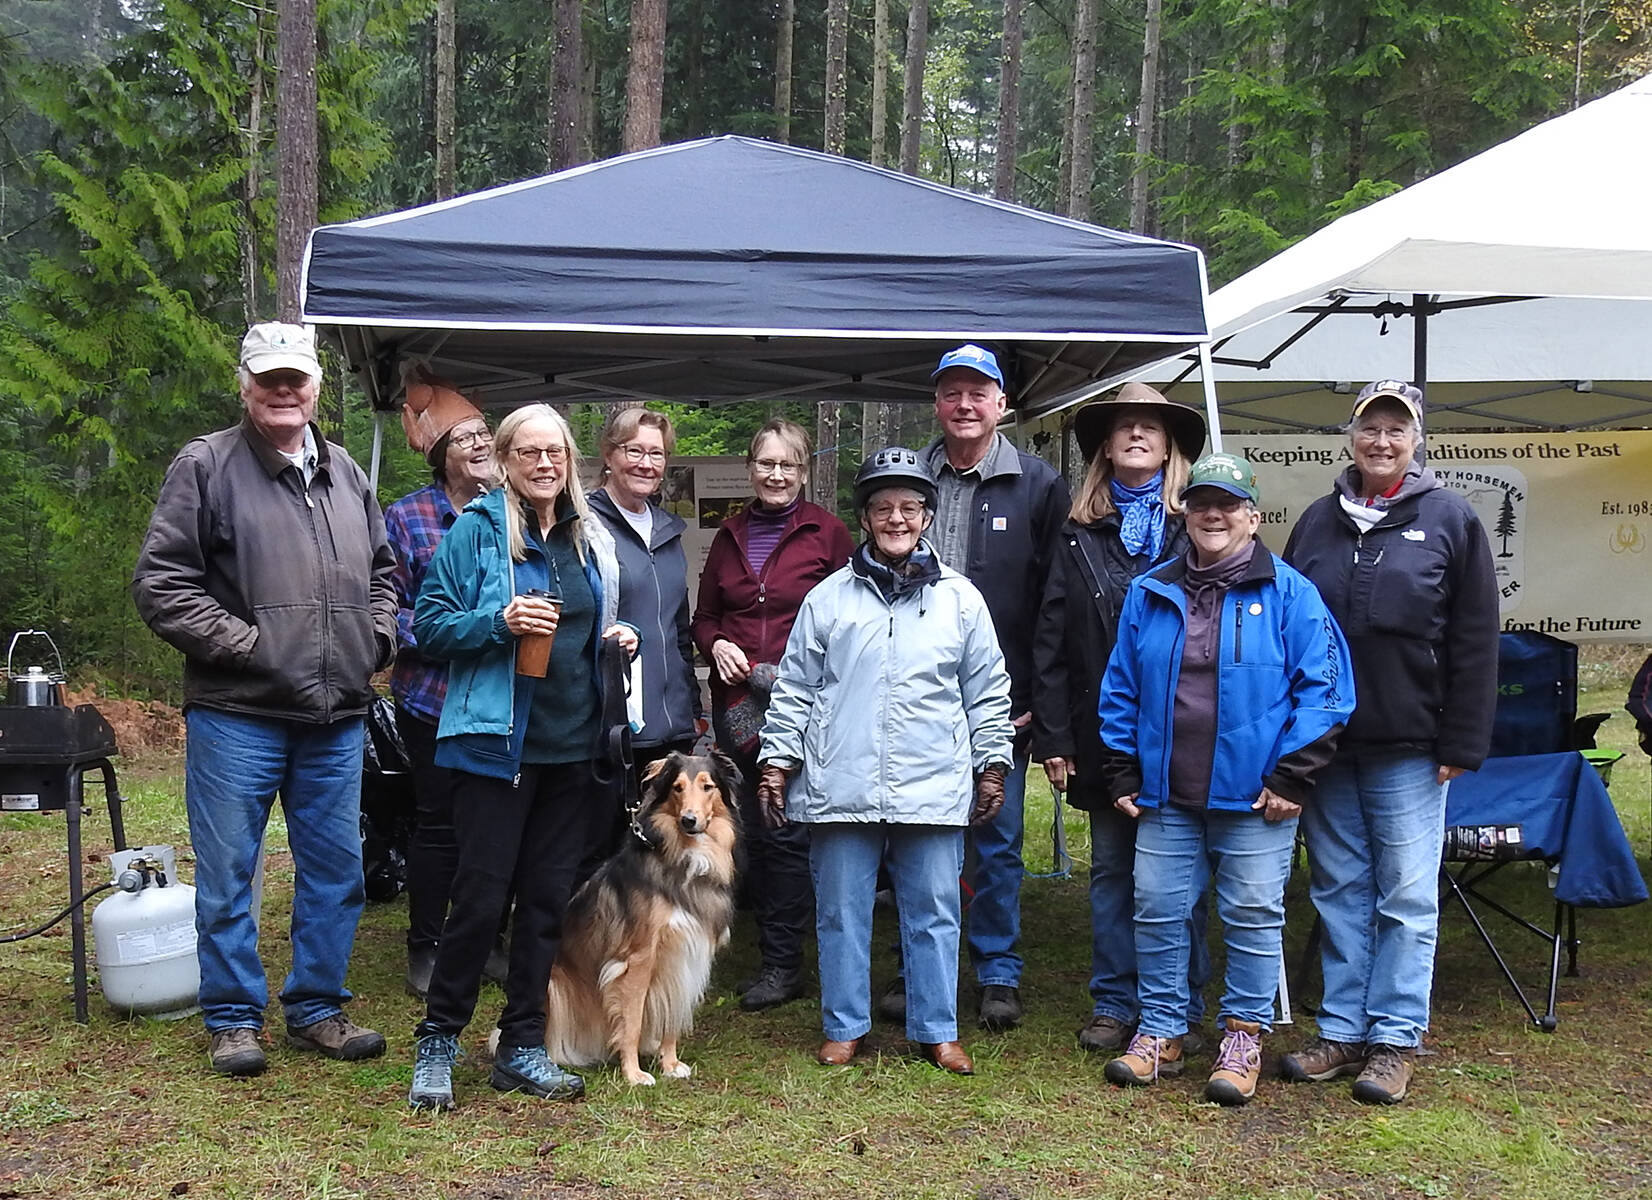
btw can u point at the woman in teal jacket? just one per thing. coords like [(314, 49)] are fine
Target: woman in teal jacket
[(525, 744), (1225, 693)]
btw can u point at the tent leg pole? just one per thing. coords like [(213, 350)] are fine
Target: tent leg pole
[(378, 450), (1208, 377), (1419, 362)]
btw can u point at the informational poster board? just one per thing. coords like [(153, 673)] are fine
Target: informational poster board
[(1569, 516), (704, 491)]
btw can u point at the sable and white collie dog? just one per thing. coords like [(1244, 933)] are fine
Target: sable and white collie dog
[(640, 935)]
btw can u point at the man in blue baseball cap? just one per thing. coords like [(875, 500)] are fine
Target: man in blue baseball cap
[(997, 514)]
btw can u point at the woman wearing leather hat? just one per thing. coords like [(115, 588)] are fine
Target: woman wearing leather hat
[(1126, 519)]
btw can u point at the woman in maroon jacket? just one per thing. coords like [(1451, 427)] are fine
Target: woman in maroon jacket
[(762, 563)]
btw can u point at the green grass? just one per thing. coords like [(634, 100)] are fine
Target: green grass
[(128, 1109)]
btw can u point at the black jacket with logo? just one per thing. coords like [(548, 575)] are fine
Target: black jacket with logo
[(1417, 599)]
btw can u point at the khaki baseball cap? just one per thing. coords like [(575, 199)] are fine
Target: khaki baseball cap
[(277, 346)]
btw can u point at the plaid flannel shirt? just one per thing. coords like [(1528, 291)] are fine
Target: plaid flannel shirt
[(415, 524)]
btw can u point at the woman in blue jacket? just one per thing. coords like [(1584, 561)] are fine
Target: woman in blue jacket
[(1225, 693), (525, 746)]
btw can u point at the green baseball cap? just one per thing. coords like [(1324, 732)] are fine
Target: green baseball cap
[(1230, 472)]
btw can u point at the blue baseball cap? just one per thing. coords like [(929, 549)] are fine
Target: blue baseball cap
[(976, 358)]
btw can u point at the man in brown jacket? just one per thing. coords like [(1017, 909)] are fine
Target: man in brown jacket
[(266, 564)]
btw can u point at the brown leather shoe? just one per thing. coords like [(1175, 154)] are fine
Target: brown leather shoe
[(949, 1056), (837, 1054)]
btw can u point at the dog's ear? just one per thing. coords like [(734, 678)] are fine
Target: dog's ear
[(673, 760), (729, 776)]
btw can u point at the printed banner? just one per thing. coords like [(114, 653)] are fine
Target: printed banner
[(1569, 516)]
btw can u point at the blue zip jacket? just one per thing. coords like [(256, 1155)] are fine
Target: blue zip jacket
[(460, 617), (1284, 689)]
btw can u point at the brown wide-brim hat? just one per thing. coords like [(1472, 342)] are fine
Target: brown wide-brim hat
[(1093, 422), (433, 407)]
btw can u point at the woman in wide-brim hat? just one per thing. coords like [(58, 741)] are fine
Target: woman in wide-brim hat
[(1126, 519)]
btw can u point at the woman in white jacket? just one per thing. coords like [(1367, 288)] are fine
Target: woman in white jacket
[(888, 731)]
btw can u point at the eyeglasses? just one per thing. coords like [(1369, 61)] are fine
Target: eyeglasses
[(1377, 433), (529, 456), (469, 441), (909, 511), (1226, 502), (637, 454), (768, 466)]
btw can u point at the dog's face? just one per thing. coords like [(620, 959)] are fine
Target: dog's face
[(687, 794)]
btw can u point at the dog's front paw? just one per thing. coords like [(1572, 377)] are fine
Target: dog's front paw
[(676, 1070), (639, 1079)]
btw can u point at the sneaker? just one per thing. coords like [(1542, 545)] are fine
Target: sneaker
[(1000, 1007), (433, 1072), (421, 965), (236, 1052), (1323, 1059), (529, 1069), (892, 1002), (1238, 1063), (336, 1037), (773, 985), (1103, 1034), (1387, 1075), (1147, 1059)]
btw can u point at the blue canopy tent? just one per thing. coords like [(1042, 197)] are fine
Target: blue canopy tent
[(730, 269)]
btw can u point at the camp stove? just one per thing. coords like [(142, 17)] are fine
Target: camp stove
[(46, 750)]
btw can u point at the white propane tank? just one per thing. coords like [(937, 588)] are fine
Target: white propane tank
[(145, 937)]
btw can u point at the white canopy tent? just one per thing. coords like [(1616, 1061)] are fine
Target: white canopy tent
[(1525, 274)]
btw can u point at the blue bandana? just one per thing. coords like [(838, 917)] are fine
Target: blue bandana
[(1141, 515)]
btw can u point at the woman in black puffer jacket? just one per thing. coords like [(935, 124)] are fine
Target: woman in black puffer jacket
[(1125, 520)]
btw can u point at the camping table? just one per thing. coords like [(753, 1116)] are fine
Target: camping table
[(1566, 819)]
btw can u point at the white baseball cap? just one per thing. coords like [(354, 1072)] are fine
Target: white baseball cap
[(277, 346)]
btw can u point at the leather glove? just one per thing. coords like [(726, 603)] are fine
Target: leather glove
[(989, 794), (771, 795)]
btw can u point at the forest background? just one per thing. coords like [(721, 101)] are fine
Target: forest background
[(145, 162)]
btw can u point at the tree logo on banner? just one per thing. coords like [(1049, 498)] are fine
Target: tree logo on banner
[(1497, 494)]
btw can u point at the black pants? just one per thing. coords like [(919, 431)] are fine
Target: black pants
[(432, 851), (778, 883), (532, 835)]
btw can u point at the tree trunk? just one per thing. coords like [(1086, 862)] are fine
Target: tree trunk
[(567, 66), (912, 106), (446, 66), (645, 77), (880, 82), (837, 82), (1147, 117), (295, 137), (1082, 174), (783, 71), (825, 468), (1009, 103), (255, 183)]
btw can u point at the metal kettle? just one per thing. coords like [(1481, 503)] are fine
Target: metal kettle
[(35, 687)]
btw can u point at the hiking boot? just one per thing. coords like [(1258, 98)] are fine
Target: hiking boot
[(498, 965), (1147, 1059), (336, 1037), (1323, 1059), (433, 1072), (236, 1052), (1000, 1007), (1238, 1063), (773, 985), (529, 1069), (1103, 1035), (421, 965), (1387, 1075), (892, 1002), (1194, 1042)]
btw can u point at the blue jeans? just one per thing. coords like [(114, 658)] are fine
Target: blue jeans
[(924, 862), (1112, 925), (1178, 852), (1374, 831), (994, 875), (234, 767)]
